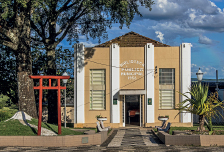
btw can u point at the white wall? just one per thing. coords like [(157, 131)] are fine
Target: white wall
[(115, 82), (150, 81), (79, 83), (185, 77)]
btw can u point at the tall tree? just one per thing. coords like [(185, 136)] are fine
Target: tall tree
[(70, 18), (15, 30), (8, 80)]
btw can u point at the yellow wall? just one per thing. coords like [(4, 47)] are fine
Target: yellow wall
[(166, 57), (132, 62), (99, 58), (69, 114)]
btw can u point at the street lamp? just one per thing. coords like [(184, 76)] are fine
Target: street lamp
[(199, 76), (65, 82)]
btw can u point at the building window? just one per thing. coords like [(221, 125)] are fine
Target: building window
[(97, 89), (166, 88)]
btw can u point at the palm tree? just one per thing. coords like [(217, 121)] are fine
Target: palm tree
[(199, 103)]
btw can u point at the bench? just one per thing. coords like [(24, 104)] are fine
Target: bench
[(166, 129), (99, 129)]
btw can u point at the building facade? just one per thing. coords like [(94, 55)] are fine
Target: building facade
[(131, 80)]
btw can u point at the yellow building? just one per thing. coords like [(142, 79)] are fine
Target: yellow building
[(131, 80)]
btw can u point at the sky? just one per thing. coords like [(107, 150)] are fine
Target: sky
[(172, 22)]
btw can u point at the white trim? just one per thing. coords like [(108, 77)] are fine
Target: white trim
[(149, 48), (185, 77), (115, 82), (131, 92), (75, 84), (124, 113), (140, 100), (80, 71)]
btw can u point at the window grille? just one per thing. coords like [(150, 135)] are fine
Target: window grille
[(166, 88), (97, 89)]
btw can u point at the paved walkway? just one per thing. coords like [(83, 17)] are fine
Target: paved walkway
[(98, 148), (134, 137)]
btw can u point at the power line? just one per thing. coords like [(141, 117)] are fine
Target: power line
[(112, 66)]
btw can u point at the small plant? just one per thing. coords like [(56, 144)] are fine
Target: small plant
[(166, 116), (99, 116)]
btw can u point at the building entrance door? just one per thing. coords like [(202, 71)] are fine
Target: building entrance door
[(132, 110)]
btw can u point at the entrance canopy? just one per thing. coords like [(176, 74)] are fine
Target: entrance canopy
[(132, 92)]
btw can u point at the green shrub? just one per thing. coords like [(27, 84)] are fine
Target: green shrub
[(9, 111), (4, 116), (14, 106), (3, 100), (1, 105)]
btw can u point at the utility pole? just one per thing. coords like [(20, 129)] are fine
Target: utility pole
[(217, 81)]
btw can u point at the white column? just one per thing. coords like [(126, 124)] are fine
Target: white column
[(185, 77), (79, 83), (140, 110), (149, 48), (115, 82), (124, 113)]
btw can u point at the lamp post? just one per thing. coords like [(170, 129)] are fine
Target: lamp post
[(199, 76), (65, 82)]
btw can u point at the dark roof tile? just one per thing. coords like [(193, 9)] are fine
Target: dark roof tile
[(132, 39)]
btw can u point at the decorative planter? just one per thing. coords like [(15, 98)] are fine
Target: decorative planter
[(162, 119), (102, 119)]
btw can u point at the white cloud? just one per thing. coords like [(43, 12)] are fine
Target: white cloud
[(171, 30), (162, 9), (89, 44), (187, 18), (213, 4), (193, 65), (204, 40), (160, 36), (222, 72), (208, 71)]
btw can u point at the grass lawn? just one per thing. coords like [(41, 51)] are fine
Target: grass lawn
[(109, 131), (84, 129), (54, 128), (15, 128)]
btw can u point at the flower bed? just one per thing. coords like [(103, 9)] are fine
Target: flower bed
[(193, 139), (206, 132)]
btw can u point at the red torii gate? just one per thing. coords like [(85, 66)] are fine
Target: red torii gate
[(41, 87)]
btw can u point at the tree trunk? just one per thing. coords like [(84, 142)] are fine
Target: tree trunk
[(52, 94), (25, 84), (24, 62), (201, 122)]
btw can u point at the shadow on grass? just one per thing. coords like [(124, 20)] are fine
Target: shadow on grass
[(50, 128), (34, 131), (24, 119)]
